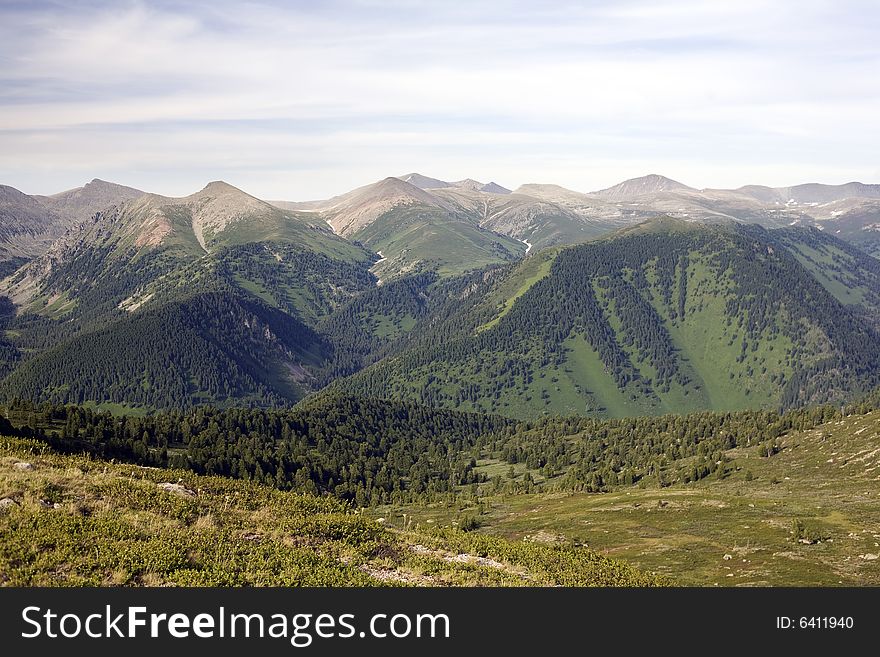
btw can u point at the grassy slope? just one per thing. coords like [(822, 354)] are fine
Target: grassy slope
[(555, 230), (78, 521), (710, 348), (846, 272), (295, 228), (827, 478), (820, 262), (414, 237), (522, 278)]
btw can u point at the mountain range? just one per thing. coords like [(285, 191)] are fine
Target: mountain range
[(546, 215), (646, 297), (468, 219)]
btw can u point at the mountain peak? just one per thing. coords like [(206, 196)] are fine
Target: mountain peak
[(80, 203), (363, 205), (96, 186), (469, 183), (494, 188), (216, 186), (392, 185), (423, 182), (427, 183), (653, 183), (223, 192)]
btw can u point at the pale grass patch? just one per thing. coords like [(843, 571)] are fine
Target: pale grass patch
[(205, 523)]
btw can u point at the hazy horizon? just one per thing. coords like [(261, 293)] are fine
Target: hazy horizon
[(341, 191), (297, 102)]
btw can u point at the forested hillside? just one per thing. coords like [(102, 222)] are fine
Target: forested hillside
[(367, 451), (848, 273), (667, 316), (170, 303), (376, 452), (209, 348)]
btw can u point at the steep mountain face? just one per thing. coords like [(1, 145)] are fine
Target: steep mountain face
[(847, 272), (29, 224), (26, 226), (81, 203), (21, 214), (666, 317)]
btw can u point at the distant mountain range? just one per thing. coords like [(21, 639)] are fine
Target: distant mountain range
[(639, 298), (419, 222), (546, 215)]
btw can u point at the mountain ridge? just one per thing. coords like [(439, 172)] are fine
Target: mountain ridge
[(480, 216)]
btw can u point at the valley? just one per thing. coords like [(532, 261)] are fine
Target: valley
[(805, 516)]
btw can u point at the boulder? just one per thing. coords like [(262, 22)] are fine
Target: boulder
[(176, 489)]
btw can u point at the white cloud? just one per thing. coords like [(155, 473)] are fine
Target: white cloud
[(302, 102)]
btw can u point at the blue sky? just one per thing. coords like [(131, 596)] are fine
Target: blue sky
[(306, 100)]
